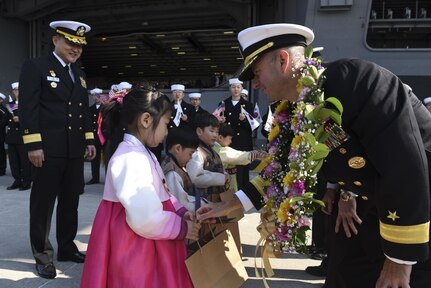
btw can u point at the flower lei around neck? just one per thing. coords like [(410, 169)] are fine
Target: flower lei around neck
[(300, 139)]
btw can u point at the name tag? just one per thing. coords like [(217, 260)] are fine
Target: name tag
[(53, 79)]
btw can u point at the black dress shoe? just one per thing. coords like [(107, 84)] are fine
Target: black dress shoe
[(318, 271), (15, 185), (46, 270), (92, 181), (24, 187), (76, 257)]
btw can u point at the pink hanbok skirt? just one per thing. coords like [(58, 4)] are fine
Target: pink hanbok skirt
[(118, 257)]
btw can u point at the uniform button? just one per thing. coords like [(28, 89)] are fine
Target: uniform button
[(237, 133), (80, 104), (10, 120), (124, 129), (364, 198), (70, 115), (80, 128), (16, 129), (228, 123), (343, 151), (94, 115), (70, 127), (341, 183), (94, 122), (230, 113), (8, 128), (70, 103), (357, 183), (80, 116)]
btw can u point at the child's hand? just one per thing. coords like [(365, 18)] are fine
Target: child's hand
[(193, 230), (189, 216), (228, 177)]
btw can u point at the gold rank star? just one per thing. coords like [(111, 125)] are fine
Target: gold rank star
[(393, 215)]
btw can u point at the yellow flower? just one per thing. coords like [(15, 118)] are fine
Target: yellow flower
[(288, 179), (283, 210), (297, 140), (274, 132), (281, 107)]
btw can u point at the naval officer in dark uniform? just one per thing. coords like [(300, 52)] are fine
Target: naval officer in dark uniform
[(18, 159), (94, 112), (384, 166), (4, 116), (242, 138), (188, 110), (57, 133)]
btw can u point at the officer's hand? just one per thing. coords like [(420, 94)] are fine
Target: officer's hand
[(36, 157), (91, 152), (394, 275), (347, 217), (328, 199), (184, 117), (241, 117)]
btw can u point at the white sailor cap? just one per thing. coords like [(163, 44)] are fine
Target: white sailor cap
[(235, 81), (15, 85), (124, 85), (2, 96), (317, 52), (71, 30), (244, 91), (96, 91), (258, 40), (179, 87), (195, 95), (427, 100)]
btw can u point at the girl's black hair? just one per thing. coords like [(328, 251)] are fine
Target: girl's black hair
[(120, 114)]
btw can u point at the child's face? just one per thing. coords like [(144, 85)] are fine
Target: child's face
[(208, 135), (224, 141), (153, 138), (183, 155)]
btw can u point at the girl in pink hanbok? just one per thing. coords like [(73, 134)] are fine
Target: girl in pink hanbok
[(138, 234)]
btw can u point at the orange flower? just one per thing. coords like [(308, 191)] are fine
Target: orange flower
[(283, 211)]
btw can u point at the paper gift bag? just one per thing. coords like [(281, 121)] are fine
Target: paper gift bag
[(236, 214), (217, 263), (233, 227)]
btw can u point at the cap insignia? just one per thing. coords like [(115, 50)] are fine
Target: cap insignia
[(80, 31)]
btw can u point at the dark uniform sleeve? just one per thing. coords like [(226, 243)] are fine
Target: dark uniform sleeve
[(378, 111), (29, 90), (89, 135)]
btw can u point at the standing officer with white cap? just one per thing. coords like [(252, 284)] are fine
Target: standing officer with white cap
[(57, 132), (196, 100), (382, 167), (18, 159), (242, 139), (4, 116), (94, 112), (188, 113)]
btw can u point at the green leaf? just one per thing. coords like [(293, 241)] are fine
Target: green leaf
[(314, 72), (336, 103), (307, 81), (308, 53)]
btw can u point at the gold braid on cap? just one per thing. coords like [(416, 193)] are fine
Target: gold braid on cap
[(73, 38), (251, 57)]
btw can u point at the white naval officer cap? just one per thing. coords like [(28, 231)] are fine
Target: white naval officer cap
[(317, 52), (195, 95), (258, 40), (2, 96), (124, 85), (15, 85), (96, 91), (177, 87), (71, 30), (244, 91), (427, 100), (235, 81)]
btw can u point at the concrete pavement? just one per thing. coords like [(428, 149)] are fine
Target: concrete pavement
[(17, 264)]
